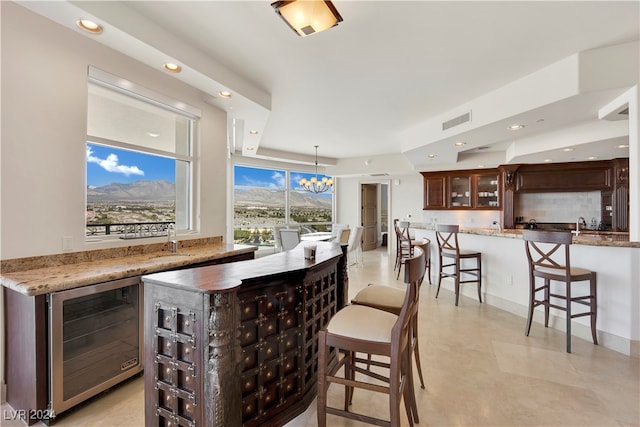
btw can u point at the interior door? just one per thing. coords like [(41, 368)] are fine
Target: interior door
[(369, 215)]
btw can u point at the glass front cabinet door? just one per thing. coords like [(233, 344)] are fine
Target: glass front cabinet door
[(460, 191), (487, 191)]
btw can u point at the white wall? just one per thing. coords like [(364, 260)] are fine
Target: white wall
[(405, 192), (43, 116), (44, 103)]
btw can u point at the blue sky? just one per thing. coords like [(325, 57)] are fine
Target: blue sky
[(268, 178), (107, 165)]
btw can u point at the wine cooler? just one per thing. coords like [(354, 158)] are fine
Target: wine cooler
[(95, 336)]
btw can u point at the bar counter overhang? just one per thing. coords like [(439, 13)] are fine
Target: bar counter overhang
[(236, 344)]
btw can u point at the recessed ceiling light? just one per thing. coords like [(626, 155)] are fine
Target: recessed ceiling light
[(432, 156), (89, 26), (548, 160), (591, 158), (249, 148), (225, 94), (172, 68), (623, 146), (460, 144), (515, 127), (153, 134), (253, 132), (567, 149)]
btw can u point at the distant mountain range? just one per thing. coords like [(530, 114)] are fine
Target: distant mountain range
[(270, 198), (143, 190)]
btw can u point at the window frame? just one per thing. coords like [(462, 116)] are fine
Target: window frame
[(140, 93), (289, 187)]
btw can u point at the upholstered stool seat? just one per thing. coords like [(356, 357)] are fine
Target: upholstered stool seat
[(357, 321)]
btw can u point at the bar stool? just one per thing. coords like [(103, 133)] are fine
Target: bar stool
[(541, 247), (360, 329), (390, 299), (448, 248), (424, 244)]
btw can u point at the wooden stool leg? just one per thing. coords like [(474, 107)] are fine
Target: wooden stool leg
[(457, 281), (547, 301), (568, 294), (409, 395), (593, 307), (322, 385), (532, 297), (479, 260), (439, 277), (416, 350)]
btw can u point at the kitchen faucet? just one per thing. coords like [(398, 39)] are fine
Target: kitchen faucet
[(579, 222), (172, 241)]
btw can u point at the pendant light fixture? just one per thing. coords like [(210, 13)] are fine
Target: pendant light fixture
[(307, 17), (315, 186)]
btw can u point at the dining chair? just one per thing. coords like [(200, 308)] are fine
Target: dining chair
[(343, 237), (361, 329), (336, 229), (449, 250), (549, 259), (354, 247), (276, 236), (289, 238)]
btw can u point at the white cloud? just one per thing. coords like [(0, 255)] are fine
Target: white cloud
[(278, 177), (277, 181), (110, 164)]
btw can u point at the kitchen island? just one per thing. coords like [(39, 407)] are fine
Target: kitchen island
[(505, 280), (236, 344)]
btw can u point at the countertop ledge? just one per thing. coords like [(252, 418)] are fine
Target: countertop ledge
[(587, 237), (97, 269)]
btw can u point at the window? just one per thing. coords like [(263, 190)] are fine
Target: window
[(264, 198), (139, 161)]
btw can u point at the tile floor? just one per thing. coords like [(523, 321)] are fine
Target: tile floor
[(479, 367)]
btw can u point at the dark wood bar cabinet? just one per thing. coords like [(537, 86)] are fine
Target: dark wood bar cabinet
[(236, 344)]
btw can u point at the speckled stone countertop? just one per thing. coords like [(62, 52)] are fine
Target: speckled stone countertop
[(585, 238), (590, 238), (45, 274)]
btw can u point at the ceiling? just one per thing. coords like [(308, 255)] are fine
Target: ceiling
[(368, 86)]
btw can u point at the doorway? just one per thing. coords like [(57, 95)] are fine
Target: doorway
[(374, 208)]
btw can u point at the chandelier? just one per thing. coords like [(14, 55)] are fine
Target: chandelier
[(313, 185)]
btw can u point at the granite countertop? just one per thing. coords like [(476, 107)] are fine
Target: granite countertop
[(224, 277), (46, 274), (587, 237)]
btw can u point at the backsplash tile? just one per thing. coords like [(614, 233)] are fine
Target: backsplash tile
[(559, 207)]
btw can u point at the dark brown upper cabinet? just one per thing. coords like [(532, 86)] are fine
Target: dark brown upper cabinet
[(469, 189)]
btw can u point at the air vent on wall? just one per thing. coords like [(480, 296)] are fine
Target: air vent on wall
[(456, 121)]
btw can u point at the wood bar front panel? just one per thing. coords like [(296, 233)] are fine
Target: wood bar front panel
[(246, 356)]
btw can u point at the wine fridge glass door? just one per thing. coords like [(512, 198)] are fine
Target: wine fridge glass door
[(95, 337)]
